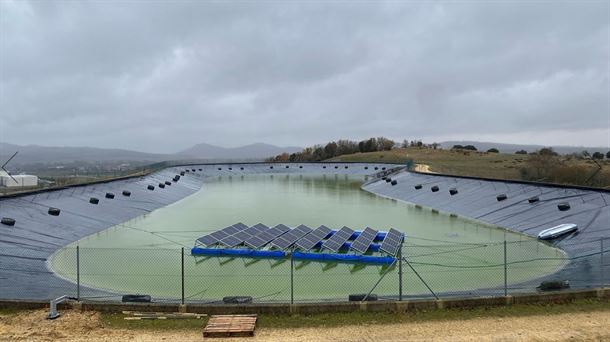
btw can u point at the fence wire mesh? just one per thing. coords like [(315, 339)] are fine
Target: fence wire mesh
[(427, 269)]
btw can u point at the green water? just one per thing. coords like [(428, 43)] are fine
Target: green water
[(143, 255)]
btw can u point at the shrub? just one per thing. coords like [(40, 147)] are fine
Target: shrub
[(493, 150)]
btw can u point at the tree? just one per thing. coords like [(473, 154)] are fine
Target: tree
[(547, 151), (331, 149), (493, 150), (597, 155), (457, 147), (521, 152), (470, 148), (608, 155)]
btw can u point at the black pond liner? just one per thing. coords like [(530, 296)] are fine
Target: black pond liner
[(187, 170), (501, 197), (336, 167), (533, 199), (7, 221), (200, 169), (162, 185), (300, 166), (271, 167), (220, 169), (383, 168), (384, 178), (394, 182), (181, 173), (376, 168), (150, 187), (241, 168), (366, 167), (346, 166), (287, 166), (230, 169), (564, 206), (126, 193), (194, 170), (54, 211), (434, 188), (109, 195), (324, 166), (453, 191), (168, 183), (387, 180), (94, 200), (418, 187)]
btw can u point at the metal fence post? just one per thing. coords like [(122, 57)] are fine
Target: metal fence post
[(601, 262), (182, 277), (78, 273), (505, 272), (400, 273), (291, 278)]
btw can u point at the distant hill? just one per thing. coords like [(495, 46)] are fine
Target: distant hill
[(512, 148), (253, 151), (32, 154)]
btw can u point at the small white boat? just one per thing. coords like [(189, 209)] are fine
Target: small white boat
[(557, 231)]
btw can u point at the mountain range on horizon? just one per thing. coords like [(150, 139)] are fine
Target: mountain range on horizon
[(31, 154)]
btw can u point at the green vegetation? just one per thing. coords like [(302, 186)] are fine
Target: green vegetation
[(543, 166), (359, 317), (336, 148)]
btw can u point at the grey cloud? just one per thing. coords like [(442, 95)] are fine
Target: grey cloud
[(159, 76)]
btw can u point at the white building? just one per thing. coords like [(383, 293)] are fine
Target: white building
[(20, 180)]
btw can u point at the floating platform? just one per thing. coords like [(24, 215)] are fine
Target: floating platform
[(302, 243)]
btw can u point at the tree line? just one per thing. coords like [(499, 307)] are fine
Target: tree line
[(336, 148)]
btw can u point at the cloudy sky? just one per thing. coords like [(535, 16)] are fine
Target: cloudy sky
[(159, 76)]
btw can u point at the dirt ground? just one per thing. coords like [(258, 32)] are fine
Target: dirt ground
[(76, 326)]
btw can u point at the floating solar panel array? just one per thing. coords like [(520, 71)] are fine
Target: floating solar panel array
[(266, 236), (214, 238), (311, 239), (364, 240), (392, 242), (335, 242), (262, 241), (288, 239)]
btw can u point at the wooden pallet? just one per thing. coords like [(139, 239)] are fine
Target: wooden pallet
[(230, 326)]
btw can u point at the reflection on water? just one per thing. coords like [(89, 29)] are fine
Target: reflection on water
[(450, 252)]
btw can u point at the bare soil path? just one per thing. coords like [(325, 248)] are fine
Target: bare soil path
[(87, 326)]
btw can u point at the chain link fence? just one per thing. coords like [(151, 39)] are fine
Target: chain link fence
[(422, 270)]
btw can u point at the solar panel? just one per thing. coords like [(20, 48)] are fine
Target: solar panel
[(338, 239), (264, 237), (392, 241), (310, 240), (363, 241), (291, 237), (216, 236), (241, 236)]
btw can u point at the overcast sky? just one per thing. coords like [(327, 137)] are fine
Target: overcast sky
[(159, 76)]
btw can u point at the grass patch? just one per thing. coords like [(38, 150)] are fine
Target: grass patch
[(371, 318), (116, 321), (9, 311)]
